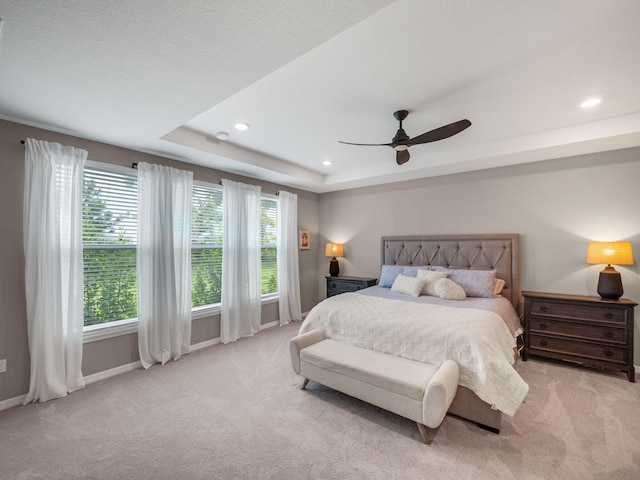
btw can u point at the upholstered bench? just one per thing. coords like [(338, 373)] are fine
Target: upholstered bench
[(414, 390)]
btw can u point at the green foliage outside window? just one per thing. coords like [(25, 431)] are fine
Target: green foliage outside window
[(109, 254)]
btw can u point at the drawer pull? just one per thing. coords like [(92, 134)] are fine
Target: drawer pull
[(608, 334), (608, 353), (608, 315), (543, 326), (544, 309), (543, 343)]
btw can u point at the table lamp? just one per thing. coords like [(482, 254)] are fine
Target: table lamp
[(617, 253), (334, 250)]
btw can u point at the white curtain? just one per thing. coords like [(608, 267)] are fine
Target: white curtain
[(241, 265), (287, 258), (53, 267), (164, 263)]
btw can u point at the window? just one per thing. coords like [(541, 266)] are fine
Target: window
[(268, 241), (110, 208), (109, 230), (206, 245)]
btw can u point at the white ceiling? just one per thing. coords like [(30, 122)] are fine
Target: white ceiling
[(164, 77)]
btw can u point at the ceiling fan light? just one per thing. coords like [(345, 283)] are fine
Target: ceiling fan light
[(400, 148)]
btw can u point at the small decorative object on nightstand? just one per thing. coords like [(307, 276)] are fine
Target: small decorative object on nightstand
[(337, 285), (584, 330)]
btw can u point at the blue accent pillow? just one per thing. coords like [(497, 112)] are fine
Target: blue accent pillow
[(388, 274), (413, 271)]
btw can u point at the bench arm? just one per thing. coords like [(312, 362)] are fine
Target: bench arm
[(296, 344), (439, 393)]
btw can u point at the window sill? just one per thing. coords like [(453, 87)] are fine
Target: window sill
[(95, 333)]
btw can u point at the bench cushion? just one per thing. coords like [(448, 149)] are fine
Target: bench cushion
[(399, 375)]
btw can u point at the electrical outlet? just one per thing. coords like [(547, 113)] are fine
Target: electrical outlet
[(3, 365)]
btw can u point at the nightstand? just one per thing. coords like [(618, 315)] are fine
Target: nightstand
[(583, 330), (337, 285)]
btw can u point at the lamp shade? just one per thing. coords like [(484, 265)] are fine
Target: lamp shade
[(607, 253), (334, 250)]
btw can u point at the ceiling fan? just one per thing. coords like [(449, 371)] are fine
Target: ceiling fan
[(401, 142)]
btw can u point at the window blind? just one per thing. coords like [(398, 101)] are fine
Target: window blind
[(268, 240), (206, 245), (109, 217)]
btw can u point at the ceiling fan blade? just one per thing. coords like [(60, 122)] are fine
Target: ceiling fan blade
[(402, 157), (367, 144), (441, 133)]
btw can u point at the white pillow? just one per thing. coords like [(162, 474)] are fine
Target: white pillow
[(449, 290), (407, 285), (430, 277)]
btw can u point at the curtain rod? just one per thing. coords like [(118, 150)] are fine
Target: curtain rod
[(134, 165)]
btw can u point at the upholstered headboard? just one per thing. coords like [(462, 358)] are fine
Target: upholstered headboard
[(479, 252)]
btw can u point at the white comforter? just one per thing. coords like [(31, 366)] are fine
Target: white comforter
[(478, 340)]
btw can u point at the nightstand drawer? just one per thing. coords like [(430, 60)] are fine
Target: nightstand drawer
[(580, 330), (577, 349), (338, 285), (583, 312), (342, 287)]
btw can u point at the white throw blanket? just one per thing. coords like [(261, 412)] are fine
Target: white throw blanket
[(478, 340)]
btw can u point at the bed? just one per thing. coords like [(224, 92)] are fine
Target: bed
[(479, 333)]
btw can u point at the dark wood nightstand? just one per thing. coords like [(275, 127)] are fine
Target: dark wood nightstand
[(337, 285), (579, 329)]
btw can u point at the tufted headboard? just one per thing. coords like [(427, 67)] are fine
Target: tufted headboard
[(480, 252)]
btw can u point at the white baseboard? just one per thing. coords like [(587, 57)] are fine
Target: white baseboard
[(112, 372), (12, 402), (208, 343)]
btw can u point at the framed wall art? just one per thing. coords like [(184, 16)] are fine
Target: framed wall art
[(305, 239)]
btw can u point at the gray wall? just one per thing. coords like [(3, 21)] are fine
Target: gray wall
[(557, 207), (114, 352)]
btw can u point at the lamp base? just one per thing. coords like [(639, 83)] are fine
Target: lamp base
[(334, 267), (610, 284)]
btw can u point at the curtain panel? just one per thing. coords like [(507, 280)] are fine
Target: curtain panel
[(164, 263), (53, 267), (241, 264), (287, 259)]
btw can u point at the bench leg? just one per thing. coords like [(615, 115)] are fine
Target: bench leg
[(304, 384), (427, 433)]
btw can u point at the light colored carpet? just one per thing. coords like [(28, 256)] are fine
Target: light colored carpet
[(236, 411)]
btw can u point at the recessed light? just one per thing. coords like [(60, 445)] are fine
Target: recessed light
[(222, 135), (326, 163), (241, 126), (590, 102)]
